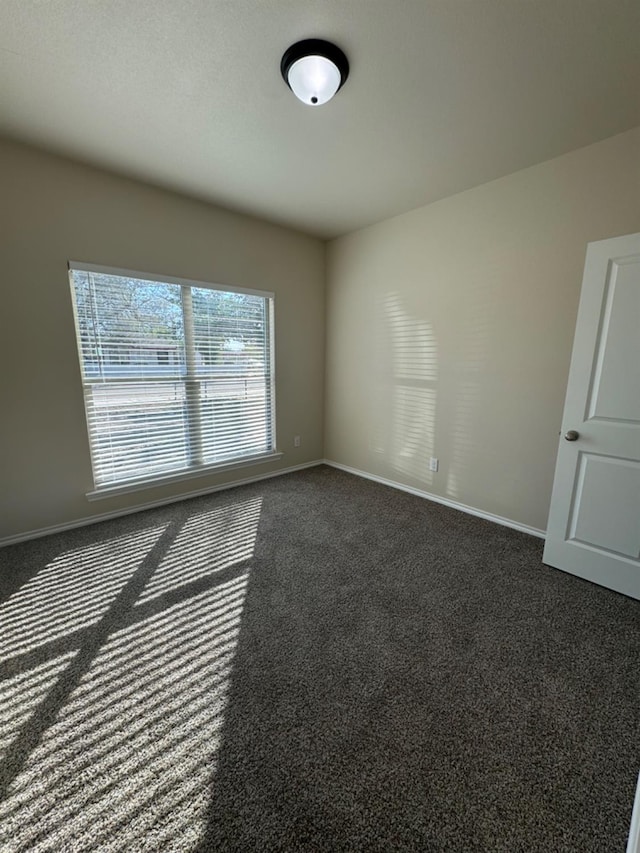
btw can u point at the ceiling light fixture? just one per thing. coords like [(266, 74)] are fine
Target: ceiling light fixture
[(314, 70)]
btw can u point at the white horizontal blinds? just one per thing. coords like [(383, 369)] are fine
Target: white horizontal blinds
[(231, 335), (174, 376), (132, 346)]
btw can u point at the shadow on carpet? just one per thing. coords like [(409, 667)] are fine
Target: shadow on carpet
[(313, 663)]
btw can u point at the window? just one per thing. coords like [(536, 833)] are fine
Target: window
[(177, 375)]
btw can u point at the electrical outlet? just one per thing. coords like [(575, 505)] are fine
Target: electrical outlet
[(296, 441), (433, 464)]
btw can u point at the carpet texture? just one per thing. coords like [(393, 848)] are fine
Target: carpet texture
[(312, 663)]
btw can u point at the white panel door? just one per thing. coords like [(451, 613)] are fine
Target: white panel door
[(594, 520)]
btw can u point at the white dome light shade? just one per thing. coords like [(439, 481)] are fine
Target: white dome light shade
[(314, 70), (314, 79)]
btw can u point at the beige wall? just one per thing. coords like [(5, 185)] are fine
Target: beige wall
[(53, 210), (449, 330)]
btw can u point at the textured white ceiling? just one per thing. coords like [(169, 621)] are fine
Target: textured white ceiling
[(443, 95)]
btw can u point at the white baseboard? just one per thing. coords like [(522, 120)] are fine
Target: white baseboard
[(106, 516), (633, 845), (470, 510)]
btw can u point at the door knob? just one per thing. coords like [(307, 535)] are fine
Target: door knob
[(572, 435)]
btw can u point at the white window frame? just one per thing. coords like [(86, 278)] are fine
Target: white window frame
[(193, 471)]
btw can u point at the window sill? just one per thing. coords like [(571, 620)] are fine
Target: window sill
[(191, 474)]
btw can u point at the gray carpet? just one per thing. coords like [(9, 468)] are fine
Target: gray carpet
[(313, 663)]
